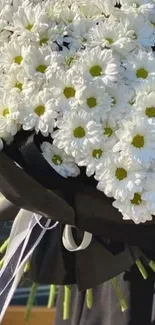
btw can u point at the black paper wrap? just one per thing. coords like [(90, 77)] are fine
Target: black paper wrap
[(93, 210), (74, 201)]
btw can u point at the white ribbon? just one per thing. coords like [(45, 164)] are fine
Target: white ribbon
[(46, 226), (22, 225), (11, 292), (20, 233), (69, 242)]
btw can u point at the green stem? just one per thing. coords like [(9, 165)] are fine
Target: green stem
[(89, 298), (4, 246), (52, 296), (142, 269), (119, 294), (31, 301), (67, 302), (27, 268), (1, 262), (152, 265)]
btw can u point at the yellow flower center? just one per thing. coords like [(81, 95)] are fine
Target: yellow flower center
[(41, 68), (137, 200), (142, 73), (19, 85), (120, 173), (109, 40), (40, 110), (108, 131), (29, 27), (69, 92), (97, 153), (43, 41), (57, 160), (96, 71), (138, 141), (91, 102), (5, 112), (150, 111), (79, 132), (18, 59)]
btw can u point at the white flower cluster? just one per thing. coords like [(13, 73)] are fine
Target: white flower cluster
[(83, 71)]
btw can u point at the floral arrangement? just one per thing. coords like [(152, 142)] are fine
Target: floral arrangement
[(83, 72)]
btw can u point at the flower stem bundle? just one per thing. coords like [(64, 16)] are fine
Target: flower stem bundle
[(89, 298), (4, 246), (142, 269), (67, 302), (52, 296), (119, 294), (31, 301)]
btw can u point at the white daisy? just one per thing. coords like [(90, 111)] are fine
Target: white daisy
[(76, 132), (5, 9), (50, 37), (136, 139), (9, 116), (151, 16), (119, 179), (12, 54), (90, 9), (110, 34), (122, 97), (63, 164), (29, 20), (37, 112), (93, 157), (68, 13), (139, 66), (98, 64), (137, 6), (146, 87), (138, 29), (145, 105), (41, 63), (94, 99), (66, 88), (77, 33), (16, 81), (134, 209), (109, 127), (68, 57), (149, 193), (106, 6)]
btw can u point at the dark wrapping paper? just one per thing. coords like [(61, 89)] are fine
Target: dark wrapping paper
[(40, 189), (93, 210), (87, 268), (51, 263), (22, 190)]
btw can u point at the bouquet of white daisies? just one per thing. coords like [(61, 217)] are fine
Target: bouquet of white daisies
[(83, 73), (77, 111)]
